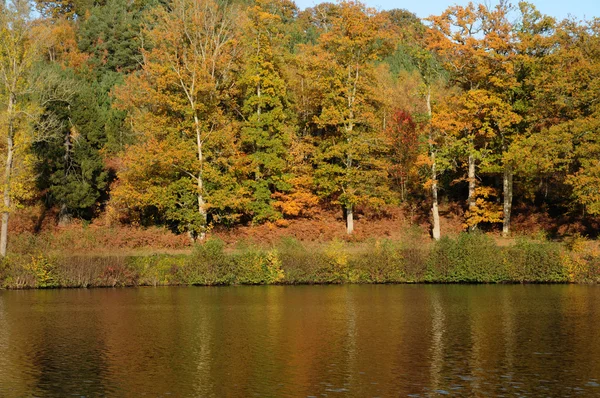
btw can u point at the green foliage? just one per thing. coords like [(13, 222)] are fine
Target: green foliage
[(111, 35), (156, 270), (267, 132), (529, 261), (208, 265), (301, 264), (469, 258), (256, 266), (72, 169)]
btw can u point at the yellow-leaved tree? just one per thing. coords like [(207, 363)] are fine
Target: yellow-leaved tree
[(18, 53), (185, 164)]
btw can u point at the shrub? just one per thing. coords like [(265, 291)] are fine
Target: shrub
[(157, 270), (472, 257), (80, 271), (118, 274), (581, 260), (43, 271), (207, 265), (384, 263), (300, 265), (255, 266), (335, 268), (529, 261)]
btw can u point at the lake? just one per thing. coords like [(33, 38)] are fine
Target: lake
[(369, 340)]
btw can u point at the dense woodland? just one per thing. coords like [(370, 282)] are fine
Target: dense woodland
[(192, 114)]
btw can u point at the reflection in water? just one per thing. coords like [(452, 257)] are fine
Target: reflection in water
[(301, 341), (437, 336)]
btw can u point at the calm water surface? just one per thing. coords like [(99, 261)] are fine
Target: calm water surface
[(302, 341)]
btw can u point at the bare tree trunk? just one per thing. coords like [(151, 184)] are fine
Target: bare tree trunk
[(200, 178), (471, 198), (7, 174), (436, 230), (349, 220), (507, 185)]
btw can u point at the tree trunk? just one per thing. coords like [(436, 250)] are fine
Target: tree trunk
[(7, 174), (349, 220), (471, 198), (64, 217), (507, 186), (200, 178), (436, 230)]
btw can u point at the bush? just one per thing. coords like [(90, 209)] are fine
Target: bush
[(472, 257), (301, 265), (469, 258), (581, 260), (207, 265), (157, 270), (530, 261), (43, 270), (384, 264), (256, 267), (118, 274)]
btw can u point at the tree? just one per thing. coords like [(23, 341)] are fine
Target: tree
[(73, 171), (350, 166), (575, 90), (17, 55), (177, 103), (268, 128), (69, 9), (476, 45), (404, 145), (429, 70)]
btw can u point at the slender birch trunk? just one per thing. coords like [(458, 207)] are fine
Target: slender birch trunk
[(471, 198), (507, 185), (349, 220), (8, 174), (200, 177), (436, 230)]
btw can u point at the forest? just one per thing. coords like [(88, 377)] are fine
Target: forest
[(200, 115)]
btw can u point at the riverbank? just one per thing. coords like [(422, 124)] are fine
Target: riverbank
[(468, 258)]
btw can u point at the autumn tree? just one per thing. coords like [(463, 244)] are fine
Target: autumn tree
[(268, 128), (403, 132), (476, 46), (573, 90), (177, 101), (350, 167), (26, 89), (17, 56), (430, 72)]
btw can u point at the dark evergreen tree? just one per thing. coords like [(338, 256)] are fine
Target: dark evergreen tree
[(71, 168)]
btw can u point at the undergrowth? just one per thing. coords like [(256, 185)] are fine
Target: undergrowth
[(469, 258)]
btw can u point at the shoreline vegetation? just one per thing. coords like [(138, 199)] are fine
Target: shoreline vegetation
[(467, 258), (189, 142)]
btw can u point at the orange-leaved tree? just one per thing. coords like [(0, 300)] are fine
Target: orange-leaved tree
[(476, 45), (186, 163)]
